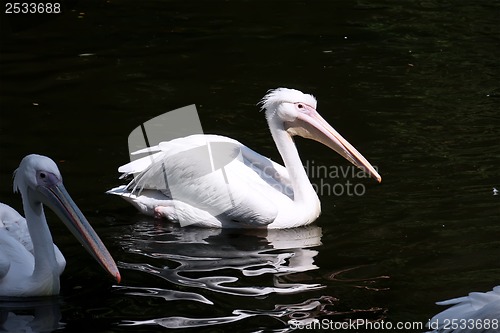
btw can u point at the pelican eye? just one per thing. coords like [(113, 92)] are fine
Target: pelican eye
[(300, 106), (42, 175)]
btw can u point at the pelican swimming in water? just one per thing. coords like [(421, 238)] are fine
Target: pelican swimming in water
[(468, 312), (30, 263), (215, 181)]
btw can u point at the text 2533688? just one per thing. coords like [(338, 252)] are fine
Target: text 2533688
[(32, 8)]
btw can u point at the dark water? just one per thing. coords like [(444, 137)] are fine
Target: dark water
[(413, 85)]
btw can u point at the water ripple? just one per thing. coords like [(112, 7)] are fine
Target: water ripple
[(301, 312), (240, 263)]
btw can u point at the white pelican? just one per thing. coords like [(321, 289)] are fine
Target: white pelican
[(477, 312), (30, 264), (232, 185)]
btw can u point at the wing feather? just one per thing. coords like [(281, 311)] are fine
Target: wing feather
[(215, 174)]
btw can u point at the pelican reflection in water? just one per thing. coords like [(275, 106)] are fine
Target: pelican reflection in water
[(216, 261)]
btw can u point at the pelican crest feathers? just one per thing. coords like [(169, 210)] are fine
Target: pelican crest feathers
[(281, 95)]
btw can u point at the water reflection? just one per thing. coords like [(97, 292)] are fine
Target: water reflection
[(240, 263), (36, 315), (300, 314)]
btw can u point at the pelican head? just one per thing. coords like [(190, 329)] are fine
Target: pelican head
[(35, 170), (39, 181), (295, 112)]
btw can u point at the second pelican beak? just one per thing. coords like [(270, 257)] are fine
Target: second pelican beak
[(55, 196)]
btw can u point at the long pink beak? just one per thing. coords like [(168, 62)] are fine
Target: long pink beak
[(311, 125), (57, 198)]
